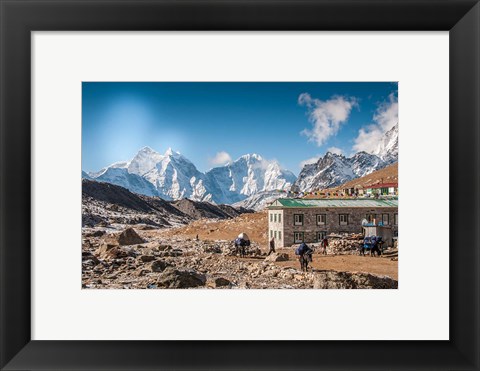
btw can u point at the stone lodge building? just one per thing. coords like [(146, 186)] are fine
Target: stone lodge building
[(292, 221)]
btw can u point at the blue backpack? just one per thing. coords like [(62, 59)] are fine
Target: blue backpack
[(301, 249)]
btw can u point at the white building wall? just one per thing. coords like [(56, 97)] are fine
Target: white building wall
[(275, 227)]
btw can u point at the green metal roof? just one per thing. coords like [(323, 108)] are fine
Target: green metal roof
[(325, 202)]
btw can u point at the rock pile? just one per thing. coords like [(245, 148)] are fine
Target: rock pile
[(344, 244), (172, 278), (347, 280)]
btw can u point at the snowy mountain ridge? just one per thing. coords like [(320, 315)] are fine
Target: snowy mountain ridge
[(333, 169), (172, 176)]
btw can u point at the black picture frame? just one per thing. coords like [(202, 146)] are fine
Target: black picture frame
[(18, 18)]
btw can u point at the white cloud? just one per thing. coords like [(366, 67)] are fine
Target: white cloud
[(326, 116), (385, 117), (308, 161), (221, 158), (336, 150)]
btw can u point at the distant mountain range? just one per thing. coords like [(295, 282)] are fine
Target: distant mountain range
[(332, 169), (172, 176), (250, 181)]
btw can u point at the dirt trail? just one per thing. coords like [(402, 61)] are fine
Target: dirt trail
[(256, 225), (347, 263)]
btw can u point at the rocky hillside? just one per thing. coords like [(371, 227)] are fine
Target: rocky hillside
[(255, 225), (388, 174), (199, 210), (107, 204)]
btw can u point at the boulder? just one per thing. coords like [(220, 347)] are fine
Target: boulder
[(221, 282), (180, 279), (116, 252), (141, 272), (277, 257), (147, 258), (129, 237), (97, 233), (159, 266), (86, 255), (347, 280), (174, 252), (103, 249)]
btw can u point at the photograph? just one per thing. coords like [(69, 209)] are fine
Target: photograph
[(240, 185), (229, 162)]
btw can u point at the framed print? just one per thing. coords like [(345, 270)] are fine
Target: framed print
[(186, 182)]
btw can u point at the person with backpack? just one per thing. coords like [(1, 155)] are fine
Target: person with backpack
[(324, 245), (272, 246)]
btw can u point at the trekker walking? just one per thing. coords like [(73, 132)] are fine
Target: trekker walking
[(272, 246), (324, 245)]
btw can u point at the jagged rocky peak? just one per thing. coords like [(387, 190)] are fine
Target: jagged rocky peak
[(333, 169), (331, 158), (147, 150), (249, 158), (144, 161), (387, 149), (171, 153)]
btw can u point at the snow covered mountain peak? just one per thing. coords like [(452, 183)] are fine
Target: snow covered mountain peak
[(146, 150), (387, 148), (169, 152), (144, 161), (250, 157), (332, 155), (172, 176), (332, 169)]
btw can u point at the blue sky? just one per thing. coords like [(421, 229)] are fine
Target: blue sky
[(210, 123)]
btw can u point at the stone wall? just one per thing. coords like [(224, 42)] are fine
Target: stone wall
[(309, 228)]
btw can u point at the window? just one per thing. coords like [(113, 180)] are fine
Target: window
[(271, 233), (279, 218), (298, 237), (385, 219), (275, 218), (343, 219), (297, 219), (279, 235), (271, 217), (275, 234), (371, 217), (321, 235), (395, 219), (321, 219)]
